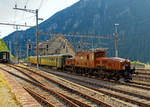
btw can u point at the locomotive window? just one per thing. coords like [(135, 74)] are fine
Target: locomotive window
[(103, 55), (99, 55), (70, 56)]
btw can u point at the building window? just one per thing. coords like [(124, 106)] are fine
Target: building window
[(47, 47)]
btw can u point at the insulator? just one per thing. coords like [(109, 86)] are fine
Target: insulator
[(15, 5)]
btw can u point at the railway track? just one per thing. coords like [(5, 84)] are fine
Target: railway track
[(79, 103), (143, 71), (107, 93), (40, 98), (135, 84), (44, 88), (143, 75), (132, 83), (109, 89), (141, 83), (141, 78)]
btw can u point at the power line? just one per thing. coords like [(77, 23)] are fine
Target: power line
[(78, 35), (41, 3), (15, 24), (26, 10)]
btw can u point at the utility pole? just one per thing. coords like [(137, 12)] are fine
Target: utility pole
[(27, 50), (17, 45), (37, 41), (116, 40), (10, 46), (27, 47)]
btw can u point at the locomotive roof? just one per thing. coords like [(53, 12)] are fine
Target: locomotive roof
[(56, 55), (116, 59), (87, 52)]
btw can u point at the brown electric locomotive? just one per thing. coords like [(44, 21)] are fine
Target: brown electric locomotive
[(97, 64)]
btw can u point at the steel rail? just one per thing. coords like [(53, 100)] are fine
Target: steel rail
[(40, 98), (144, 69), (76, 101), (143, 73), (141, 84), (142, 78)]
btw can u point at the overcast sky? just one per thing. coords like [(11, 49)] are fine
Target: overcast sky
[(46, 9)]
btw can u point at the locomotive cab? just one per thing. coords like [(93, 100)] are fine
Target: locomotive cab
[(100, 54)]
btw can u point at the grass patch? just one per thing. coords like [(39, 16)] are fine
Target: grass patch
[(11, 98)]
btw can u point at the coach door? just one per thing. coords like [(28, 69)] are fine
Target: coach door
[(91, 60), (57, 62)]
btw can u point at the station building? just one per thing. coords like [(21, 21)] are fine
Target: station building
[(56, 45)]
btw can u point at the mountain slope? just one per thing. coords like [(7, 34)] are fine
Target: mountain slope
[(97, 17)]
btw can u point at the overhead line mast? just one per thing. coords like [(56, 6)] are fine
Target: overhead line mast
[(37, 37), (116, 40)]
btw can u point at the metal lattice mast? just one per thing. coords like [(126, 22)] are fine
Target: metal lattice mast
[(37, 37), (116, 40)]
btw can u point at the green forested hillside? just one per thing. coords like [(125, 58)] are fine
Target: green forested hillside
[(3, 46)]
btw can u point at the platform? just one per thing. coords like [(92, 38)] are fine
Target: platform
[(12, 94)]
